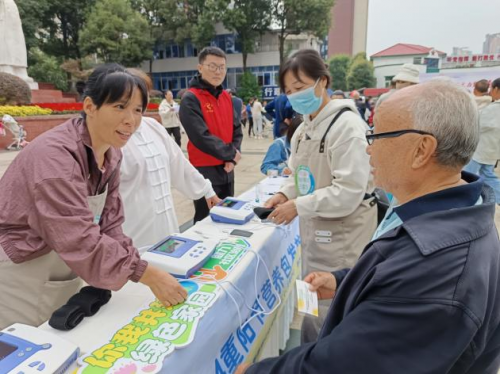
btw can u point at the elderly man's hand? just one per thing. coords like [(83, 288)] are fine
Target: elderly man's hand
[(323, 283), (284, 213), (242, 368)]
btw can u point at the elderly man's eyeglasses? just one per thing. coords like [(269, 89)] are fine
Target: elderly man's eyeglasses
[(213, 68), (370, 136)]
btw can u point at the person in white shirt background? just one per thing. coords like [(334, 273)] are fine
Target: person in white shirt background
[(169, 113), (152, 164), (257, 117)]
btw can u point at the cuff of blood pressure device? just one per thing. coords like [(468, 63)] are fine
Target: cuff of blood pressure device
[(139, 271), (67, 317)]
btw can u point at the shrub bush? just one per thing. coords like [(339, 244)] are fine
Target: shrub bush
[(47, 69), (13, 90)]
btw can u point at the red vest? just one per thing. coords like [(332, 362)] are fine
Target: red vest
[(218, 116)]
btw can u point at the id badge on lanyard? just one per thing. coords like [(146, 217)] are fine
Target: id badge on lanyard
[(304, 180)]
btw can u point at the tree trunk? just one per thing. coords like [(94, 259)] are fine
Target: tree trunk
[(282, 39), (245, 56)]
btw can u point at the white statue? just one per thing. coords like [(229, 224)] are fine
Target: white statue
[(13, 59)]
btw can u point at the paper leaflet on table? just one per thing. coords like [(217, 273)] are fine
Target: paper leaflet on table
[(155, 332)]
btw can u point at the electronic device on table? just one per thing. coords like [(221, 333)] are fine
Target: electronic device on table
[(232, 211), (27, 350), (180, 256)]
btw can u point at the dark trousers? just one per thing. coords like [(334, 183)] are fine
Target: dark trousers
[(176, 131), (201, 207), (250, 126)]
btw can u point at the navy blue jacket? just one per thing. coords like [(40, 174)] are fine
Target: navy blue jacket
[(424, 298), (280, 108)]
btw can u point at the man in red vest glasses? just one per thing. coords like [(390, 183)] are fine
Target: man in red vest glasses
[(212, 127)]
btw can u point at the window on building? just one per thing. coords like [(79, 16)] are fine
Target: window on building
[(267, 79), (160, 55), (175, 50), (388, 80), (230, 44), (417, 60), (191, 50)]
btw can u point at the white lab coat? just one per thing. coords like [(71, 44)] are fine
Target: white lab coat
[(152, 163)]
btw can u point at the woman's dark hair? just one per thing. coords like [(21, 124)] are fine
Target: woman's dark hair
[(214, 51), (307, 61), (112, 82), (296, 121)]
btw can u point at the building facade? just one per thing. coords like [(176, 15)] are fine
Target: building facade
[(462, 65), (387, 63), (175, 64), (349, 30), (491, 44)]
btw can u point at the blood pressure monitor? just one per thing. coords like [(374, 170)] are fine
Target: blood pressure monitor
[(28, 350), (180, 256), (232, 211)]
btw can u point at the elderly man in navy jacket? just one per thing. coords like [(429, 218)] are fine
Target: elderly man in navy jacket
[(424, 296)]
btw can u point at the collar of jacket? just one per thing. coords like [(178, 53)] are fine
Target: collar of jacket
[(111, 157), (200, 83), (434, 231)]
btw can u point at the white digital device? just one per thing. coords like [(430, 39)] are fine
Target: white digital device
[(180, 256), (232, 211), (28, 350)]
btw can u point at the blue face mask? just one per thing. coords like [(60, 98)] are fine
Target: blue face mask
[(305, 102)]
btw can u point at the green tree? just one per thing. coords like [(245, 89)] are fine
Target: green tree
[(193, 19), (61, 25), (339, 67), (249, 19), (32, 14), (360, 74), (154, 12), (47, 68), (249, 87), (117, 33), (293, 17)]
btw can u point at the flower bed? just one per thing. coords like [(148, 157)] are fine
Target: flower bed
[(36, 125), (23, 111)]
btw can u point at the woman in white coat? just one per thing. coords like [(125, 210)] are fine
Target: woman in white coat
[(152, 164), (332, 186)]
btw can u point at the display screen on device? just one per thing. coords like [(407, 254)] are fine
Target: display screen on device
[(170, 246), (6, 350), (228, 203)]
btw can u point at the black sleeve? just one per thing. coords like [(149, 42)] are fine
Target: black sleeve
[(197, 131), (237, 132), (383, 336), (340, 275)]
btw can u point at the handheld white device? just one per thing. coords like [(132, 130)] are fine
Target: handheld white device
[(232, 211), (180, 256), (28, 350)]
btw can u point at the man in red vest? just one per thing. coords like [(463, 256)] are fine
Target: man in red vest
[(212, 127)]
